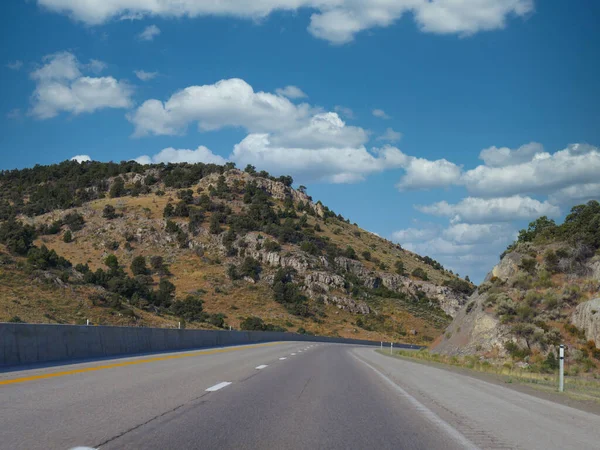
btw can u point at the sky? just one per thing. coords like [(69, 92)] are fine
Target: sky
[(443, 125)]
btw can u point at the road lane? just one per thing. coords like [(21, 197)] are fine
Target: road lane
[(321, 399), (327, 396), (94, 406)]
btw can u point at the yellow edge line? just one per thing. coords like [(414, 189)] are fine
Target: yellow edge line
[(131, 363)]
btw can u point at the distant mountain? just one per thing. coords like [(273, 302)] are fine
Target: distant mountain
[(544, 291), (208, 245)]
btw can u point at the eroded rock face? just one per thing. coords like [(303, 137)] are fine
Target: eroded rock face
[(506, 268), (473, 331), (587, 317)]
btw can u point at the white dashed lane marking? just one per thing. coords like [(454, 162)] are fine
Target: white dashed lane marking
[(262, 366), (281, 359), (216, 387), (293, 354)]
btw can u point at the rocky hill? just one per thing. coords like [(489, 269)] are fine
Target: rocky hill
[(210, 245), (543, 292)]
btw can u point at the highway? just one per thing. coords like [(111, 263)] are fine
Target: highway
[(277, 396)]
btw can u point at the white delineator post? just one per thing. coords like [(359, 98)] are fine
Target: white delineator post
[(561, 368), (391, 348), (381, 346), (87, 321), (179, 325)]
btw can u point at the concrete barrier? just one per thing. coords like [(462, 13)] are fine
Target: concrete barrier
[(37, 343)]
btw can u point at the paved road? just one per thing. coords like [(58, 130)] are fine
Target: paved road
[(277, 396)]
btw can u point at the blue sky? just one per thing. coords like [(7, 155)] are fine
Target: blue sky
[(443, 125)]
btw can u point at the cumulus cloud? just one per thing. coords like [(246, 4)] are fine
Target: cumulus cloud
[(15, 65), (337, 21), (504, 156), (426, 174), (540, 173), (230, 102), (61, 87), (468, 249), (292, 92), (172, 155), (81, 158), (145, 76), (331, 164), (481, 210), (380, 113), (149, 33), (577, 193)]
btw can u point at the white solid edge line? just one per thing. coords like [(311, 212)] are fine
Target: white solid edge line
[(424, 410), (281, 359), (262, 366), (216, 387)]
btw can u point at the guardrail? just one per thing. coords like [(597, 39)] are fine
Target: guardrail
[(37, 343)]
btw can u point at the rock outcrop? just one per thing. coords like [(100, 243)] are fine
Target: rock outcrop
[(474, 330), (587, 317)]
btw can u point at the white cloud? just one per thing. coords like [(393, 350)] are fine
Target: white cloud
[(481, 210), (145, 76), (230, 102), (321, 130), (542, 173), (504, 156), (425, 174), (380, 113), (149, 33), (577, 193), (415, 234), (330, 164), (15, 65), (81, 158), (468, 17), (468, 249), (292, 92), (390, 136), (172, 155), (337, 21), (467, 234), (344, 112), (60, 86)]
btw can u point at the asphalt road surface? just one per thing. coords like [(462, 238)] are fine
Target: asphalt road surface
[(277, 396)]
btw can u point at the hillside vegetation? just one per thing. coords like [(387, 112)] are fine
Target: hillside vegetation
[(208, 245), (541, 294)]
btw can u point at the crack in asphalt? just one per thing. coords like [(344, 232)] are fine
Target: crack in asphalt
[(152, 419)]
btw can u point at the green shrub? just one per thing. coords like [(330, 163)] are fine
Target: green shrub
[(528, 265), (420, 273)]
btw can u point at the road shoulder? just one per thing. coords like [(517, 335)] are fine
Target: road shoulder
[(589, 406)]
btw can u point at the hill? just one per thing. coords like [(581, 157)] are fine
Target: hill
[(210, 245), (542, 293)]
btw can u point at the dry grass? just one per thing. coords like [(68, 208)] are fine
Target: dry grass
[(207, 275)]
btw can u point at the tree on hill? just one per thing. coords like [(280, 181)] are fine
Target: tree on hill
[(138, 266)]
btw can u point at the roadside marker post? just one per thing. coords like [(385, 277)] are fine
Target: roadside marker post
[(391, 348), (179, 325), (87, 321), (561, 368), (381, 348)]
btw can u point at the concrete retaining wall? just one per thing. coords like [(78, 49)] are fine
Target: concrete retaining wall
[(37, 343)]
